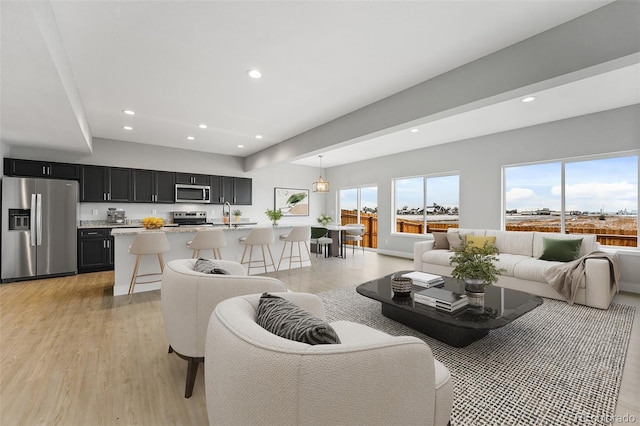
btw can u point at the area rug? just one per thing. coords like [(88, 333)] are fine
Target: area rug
[(556, 365)]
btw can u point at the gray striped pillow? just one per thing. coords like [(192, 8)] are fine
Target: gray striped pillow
[(283, 318)]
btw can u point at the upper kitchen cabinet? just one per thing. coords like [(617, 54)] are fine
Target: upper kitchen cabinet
[(98, 183), (192, 179), (235, 190), (41, 169), (153, 186)]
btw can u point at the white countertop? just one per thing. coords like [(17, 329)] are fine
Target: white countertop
[(185, 229)]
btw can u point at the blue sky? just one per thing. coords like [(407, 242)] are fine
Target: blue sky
[(610, 183)]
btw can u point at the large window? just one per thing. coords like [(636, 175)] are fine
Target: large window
[(426, 204), (360, 205), (596, 196)]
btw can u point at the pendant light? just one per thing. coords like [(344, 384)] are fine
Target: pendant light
[(321, 185)]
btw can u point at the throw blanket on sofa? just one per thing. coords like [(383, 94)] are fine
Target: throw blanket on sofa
[(568, 277)]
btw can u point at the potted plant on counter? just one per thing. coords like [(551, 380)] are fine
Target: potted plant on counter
[(237, 213), (274, 215)]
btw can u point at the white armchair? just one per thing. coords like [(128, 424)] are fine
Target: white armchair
[(255, 377), (188, 299)]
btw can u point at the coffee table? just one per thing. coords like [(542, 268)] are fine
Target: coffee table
[(459, 328)]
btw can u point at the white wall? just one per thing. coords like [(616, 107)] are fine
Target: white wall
[(4, 152), (108, 152), (479, 162)]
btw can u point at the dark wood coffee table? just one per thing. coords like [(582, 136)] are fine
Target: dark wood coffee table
[(460, 328)]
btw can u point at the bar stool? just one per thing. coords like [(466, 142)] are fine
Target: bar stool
[(258, 237), (299, 234), (212, 239), (354, 233), (145, 243), (320, 239)]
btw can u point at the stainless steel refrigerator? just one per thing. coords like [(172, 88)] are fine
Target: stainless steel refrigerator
[(39, 223)]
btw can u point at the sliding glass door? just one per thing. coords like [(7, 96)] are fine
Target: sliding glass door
[(360, 205)]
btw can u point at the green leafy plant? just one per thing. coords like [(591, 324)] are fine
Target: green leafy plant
[(274, 215), (237, 212), (296, 198), (324, 219), (474, 262)]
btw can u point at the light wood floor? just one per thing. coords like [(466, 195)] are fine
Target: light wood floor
[(73, 354)]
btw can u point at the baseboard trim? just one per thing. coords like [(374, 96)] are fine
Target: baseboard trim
[(629, 287), (396, 253)]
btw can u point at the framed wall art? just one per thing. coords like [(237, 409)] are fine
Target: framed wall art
[(292, 202)]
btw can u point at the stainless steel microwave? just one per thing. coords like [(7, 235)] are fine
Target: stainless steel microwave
[(193, 193)]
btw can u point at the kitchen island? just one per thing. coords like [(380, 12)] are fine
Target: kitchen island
[(178, 237)]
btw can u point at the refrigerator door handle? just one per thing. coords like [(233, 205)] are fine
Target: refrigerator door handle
[(39, 218), (32, 220)]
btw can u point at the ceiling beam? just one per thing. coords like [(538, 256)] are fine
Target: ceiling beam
[(569, 52)]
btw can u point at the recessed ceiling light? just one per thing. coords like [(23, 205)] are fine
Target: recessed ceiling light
[(415, 130), (202, 126), (529, 99), (240, 146), (129, 112), (191, 138), (254, 73), (258, 136), (127, 127)]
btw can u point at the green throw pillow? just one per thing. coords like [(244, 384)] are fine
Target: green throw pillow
[(560, 250), (285, 319)]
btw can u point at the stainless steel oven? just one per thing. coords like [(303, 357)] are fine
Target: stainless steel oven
[(193, 193)]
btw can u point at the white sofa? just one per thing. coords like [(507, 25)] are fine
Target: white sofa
[(188, 298), (254, 377), (524, 271)]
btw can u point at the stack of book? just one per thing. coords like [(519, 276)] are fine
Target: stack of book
[(440, 298), (424, 279)]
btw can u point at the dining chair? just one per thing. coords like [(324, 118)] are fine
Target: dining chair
[(353, 233)]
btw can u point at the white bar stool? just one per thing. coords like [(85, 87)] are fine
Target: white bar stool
[(211, 239), (147, 242), (354, 233), (258, 237), (299, 234)]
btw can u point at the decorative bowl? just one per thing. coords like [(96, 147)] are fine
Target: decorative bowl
[(401, 286)]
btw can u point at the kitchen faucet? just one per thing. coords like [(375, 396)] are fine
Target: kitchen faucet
[(226, 203)]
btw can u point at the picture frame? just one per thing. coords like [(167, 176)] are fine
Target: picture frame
[(292, 201)]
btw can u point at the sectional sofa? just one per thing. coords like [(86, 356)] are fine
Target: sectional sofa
[(523, 270)]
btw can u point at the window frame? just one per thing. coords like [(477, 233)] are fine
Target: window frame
[(563, 162), (425, 178)]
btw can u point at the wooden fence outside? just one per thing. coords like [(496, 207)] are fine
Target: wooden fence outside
[(622, 238)]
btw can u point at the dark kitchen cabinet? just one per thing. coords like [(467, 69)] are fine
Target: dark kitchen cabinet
[(95, 250), (235, 190), (153, 186), (41, 169), (242, 190), (98, 183), (192, 179)]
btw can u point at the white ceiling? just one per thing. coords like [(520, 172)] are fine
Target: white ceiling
[(69, 68)]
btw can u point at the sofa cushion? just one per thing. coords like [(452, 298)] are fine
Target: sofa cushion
[(437, 257), (589, 243), (508, 262), (441, 242), (514, 242), (477, 241), (533, 270), (283, 318), (560, 250), (456, 238)]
